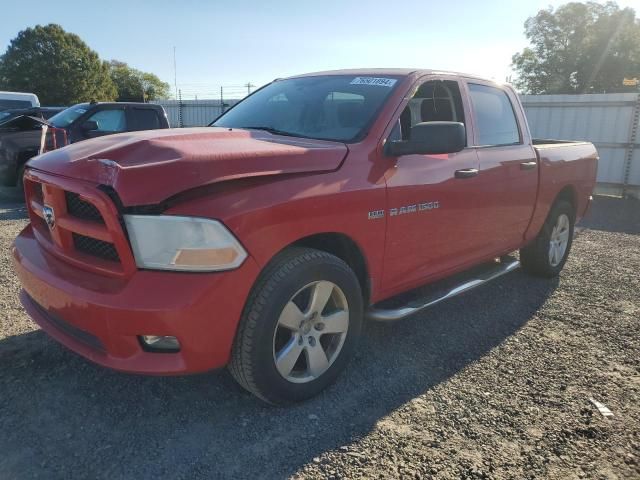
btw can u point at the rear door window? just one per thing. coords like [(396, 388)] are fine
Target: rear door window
[(111, 121), (144, 119), (494, 116)]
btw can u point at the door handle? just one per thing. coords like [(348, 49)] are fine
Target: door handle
[(528, 165), (466, 173)]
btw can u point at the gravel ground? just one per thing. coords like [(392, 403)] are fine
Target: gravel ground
[(493, 384)]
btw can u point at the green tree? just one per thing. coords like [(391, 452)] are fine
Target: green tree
[(579, 48), (55, 65), (131, 83)]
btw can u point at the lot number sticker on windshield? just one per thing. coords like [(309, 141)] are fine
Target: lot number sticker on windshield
[(379, 82)]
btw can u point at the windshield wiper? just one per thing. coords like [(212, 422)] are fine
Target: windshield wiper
[(275, 131)]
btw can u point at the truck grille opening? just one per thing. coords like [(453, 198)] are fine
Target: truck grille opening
[(95, 247), (81, 209), (37, 192)]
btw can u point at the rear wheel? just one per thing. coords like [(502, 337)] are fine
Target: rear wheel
[(299, 327), (548, 253)]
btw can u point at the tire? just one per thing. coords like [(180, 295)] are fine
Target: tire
[(547, 254), (282, 328)]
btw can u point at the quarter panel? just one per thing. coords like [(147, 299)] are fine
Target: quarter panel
[(560, 166)]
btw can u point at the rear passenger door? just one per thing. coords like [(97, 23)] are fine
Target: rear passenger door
[(508, 163)]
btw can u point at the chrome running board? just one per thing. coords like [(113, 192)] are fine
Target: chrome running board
[(391, 315)]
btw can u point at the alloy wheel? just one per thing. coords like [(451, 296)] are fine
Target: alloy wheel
[(311, 331), (559, 240)]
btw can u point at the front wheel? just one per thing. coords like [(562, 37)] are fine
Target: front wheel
[(547, 254), (299, 327)]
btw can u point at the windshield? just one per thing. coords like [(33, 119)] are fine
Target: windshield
[(332, 107), (67, 117)]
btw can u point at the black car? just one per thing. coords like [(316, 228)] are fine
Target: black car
[(38, 112), (90, 120), (22, 136)]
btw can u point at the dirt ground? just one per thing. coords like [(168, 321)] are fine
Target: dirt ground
[(493, 384)]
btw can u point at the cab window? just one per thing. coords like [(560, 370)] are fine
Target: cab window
[(144, 119), (110, 120), (494, 117)]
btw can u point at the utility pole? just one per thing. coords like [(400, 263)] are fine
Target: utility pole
[(249, 87), (221, 101)]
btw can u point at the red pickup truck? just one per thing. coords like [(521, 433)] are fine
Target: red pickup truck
[(262, 241)]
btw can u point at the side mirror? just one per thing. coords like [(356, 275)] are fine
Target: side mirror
[(90, 125), (430, 138)]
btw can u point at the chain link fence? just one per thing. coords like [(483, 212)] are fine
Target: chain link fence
[(194, 113), (198, 105)]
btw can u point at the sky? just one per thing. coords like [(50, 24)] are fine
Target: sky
[(233, 43)]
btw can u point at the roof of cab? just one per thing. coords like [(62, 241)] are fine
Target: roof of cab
[(120, 104), (396, 72)]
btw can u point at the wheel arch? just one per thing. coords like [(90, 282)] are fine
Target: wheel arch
[(569, 194), (346, 249), (547, 199)]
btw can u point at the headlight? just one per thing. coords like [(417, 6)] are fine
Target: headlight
[(168, 242)]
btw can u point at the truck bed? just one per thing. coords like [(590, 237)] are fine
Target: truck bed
[(550, 142), (563, 162)]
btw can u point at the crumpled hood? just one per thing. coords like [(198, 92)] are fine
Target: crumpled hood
[(148, 167)]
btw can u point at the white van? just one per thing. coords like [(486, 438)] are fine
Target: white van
[(18, 100)]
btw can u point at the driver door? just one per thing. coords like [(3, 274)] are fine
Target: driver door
[(435, 203)]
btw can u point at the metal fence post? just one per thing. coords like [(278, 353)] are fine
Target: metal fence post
[(180, 108), (633, 135)]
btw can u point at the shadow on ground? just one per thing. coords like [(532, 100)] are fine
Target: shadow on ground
[(613, 214), (61, 416), (11, 194), (13, 211)]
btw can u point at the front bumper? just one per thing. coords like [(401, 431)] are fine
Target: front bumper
[(101, 317)]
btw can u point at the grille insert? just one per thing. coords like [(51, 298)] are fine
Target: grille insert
[(95, 247), (81, 209)]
